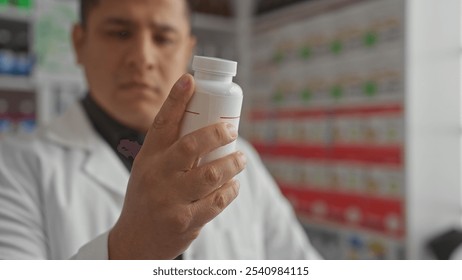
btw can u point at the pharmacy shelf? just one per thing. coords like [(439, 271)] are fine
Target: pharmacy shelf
[(359, 242), (427, 210), (213, 23), (337, 110), (392, 154), (313, 221), (16, 83), (10, 13), (377, 213), (298, 11)]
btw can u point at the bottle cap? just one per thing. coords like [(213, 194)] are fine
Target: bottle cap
[(214, 65)]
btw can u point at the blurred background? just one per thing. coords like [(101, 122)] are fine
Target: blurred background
[(354, 105)]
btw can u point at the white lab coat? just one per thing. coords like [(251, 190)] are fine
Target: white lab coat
[(62, 189)]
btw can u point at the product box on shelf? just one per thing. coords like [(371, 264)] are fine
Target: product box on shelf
[(17, 112)]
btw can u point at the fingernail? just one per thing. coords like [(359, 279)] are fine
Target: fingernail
[(232, 130), (184, 82)]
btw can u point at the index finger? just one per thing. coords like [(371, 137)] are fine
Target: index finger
[(166, 126)]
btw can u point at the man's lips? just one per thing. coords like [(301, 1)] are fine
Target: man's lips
[(138, 86)]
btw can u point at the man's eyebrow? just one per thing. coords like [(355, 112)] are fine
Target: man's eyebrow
[(118, 21), (161, 27)]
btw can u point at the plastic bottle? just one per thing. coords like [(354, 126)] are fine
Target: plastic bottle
[(216, 99)]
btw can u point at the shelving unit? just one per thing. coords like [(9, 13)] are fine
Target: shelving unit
[(216, 35), (213, 23), (16, 14), (336, 88), (17, 87), (12, 83)]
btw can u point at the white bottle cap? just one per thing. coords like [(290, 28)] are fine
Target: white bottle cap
[(214, 65)]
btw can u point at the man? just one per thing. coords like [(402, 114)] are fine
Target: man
[(66, 191)]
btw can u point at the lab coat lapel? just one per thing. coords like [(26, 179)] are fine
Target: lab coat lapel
[(103, 166), (74, 130)]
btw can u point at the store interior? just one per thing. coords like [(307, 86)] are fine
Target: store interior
[(353, 105)]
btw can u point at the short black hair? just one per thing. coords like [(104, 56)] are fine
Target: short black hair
[(87, 5), (85, 8)]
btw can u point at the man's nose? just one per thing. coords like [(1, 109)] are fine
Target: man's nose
[(142, 55)]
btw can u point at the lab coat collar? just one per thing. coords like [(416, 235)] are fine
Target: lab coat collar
[(74, 130)]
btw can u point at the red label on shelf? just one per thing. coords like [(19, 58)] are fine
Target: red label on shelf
[(370, 154), (381, 214)]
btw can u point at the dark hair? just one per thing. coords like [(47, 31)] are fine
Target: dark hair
[(87, 5)]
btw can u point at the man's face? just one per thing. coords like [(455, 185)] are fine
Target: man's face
[(132, 52)]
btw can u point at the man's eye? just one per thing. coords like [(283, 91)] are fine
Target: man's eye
[(120, 34), (163, 40)]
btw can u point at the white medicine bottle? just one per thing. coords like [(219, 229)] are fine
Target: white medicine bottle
[(216, 99)]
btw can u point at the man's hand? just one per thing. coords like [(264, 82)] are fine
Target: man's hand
[(169, 199)]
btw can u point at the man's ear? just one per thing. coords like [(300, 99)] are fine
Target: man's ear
[(78, 42)]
